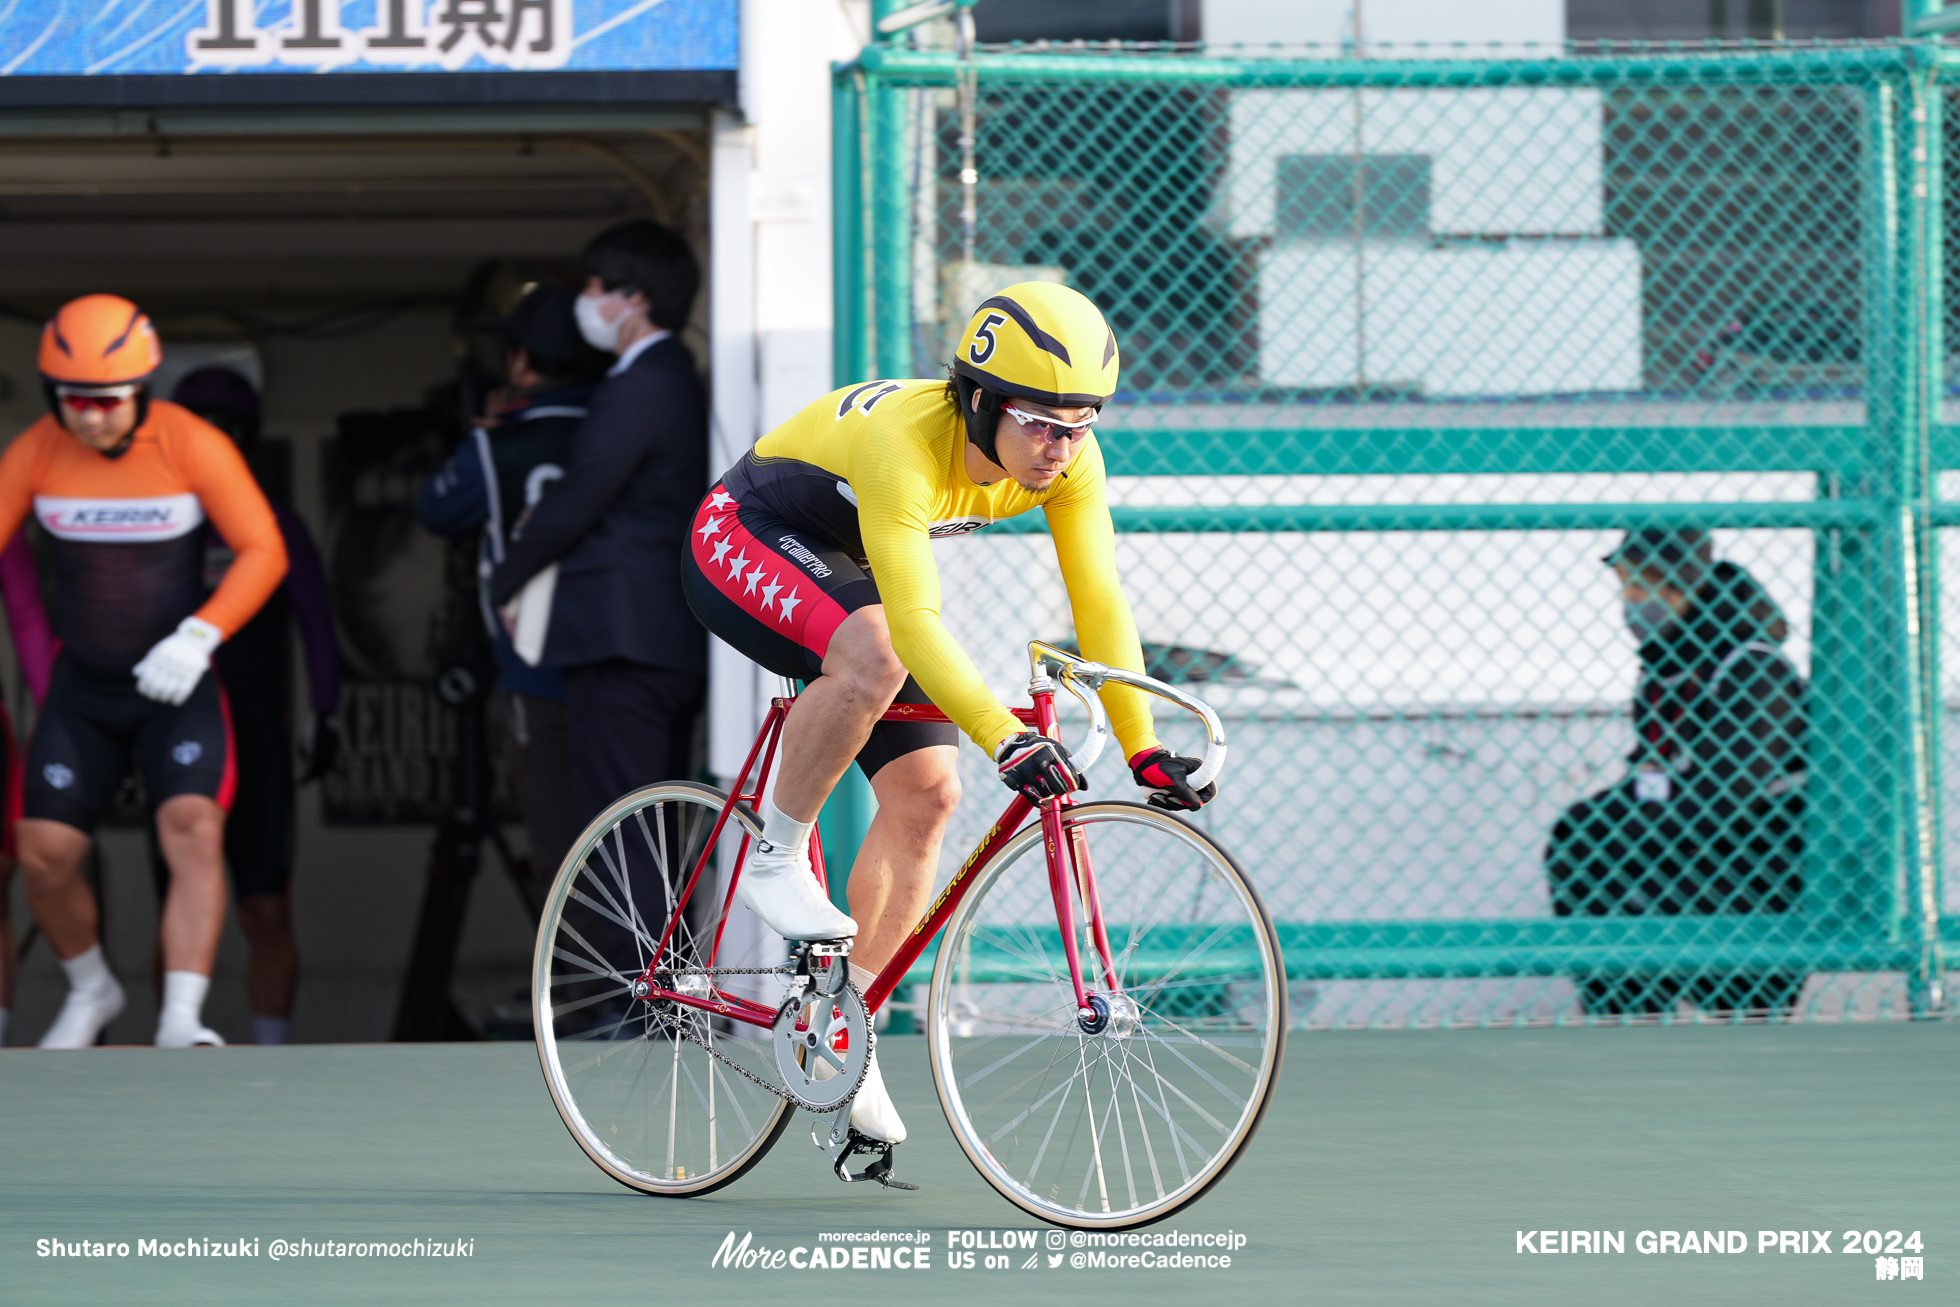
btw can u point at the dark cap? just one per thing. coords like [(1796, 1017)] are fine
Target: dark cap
[(543, 323), (1680, 551), (218, 390)]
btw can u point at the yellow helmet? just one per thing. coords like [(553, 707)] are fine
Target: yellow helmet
[(1042, 342)]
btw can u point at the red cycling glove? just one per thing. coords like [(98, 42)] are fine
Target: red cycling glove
[(1166, 776)]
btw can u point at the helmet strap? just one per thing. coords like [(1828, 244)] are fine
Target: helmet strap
[(983, 421), (121, 446)]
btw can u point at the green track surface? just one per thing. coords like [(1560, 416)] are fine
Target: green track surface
[(1392, 1168)]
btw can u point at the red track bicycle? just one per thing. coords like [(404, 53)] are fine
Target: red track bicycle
[(1105, 1014)]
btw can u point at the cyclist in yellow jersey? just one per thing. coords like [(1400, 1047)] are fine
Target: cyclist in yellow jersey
[(813, 556)]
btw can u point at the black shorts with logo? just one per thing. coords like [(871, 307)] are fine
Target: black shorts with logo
[(94, 720), (777, 592)]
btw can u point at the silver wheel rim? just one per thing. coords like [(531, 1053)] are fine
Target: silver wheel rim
[(653, 1111), (1090, 1131)]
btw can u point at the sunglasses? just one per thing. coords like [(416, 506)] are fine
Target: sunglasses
[(106, 400), (1050, 428)]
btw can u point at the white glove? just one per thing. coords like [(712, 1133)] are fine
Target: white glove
[(171, 670)]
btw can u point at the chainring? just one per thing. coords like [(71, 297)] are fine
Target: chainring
[(805, 1036)]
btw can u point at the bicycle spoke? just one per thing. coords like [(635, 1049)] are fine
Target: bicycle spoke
[(673, 1108), (579, 1005), (1096, 1133), (992, 1067), (1140, 1117), (625, 884), (640, 1081), (1179, 1135), (568, 931), (1240, 1063), (1033, 1107), (609, 914), (658, 847), (1150, 1153), (580, 976), (1046, 1138), (610, 1048)]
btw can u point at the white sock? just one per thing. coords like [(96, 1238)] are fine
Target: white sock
[(94, 998), (862, 977), (782, 831), (270, 1030), (183, 1000), (89, 971)]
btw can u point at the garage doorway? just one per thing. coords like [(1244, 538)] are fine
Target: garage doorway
[(338, 257)]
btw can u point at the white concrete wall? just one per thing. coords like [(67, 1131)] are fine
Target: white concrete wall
[(770, 288), (1472, 309), (1520, 318), (1506, 159), (1441, 23)]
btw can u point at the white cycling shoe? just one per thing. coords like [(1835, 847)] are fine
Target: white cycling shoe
[(872, 1112), (172, 1035), (83, 1014), (779, 887)]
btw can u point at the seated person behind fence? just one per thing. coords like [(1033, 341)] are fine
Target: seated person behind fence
[(1710, 820)]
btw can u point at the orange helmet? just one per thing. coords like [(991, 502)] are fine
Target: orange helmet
[(99, 340)]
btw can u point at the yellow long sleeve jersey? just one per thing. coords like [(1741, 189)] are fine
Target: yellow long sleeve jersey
[(879, 470)]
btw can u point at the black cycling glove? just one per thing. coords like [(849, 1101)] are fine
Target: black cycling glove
[(1037, 767), (321, 747), (1166, 776)]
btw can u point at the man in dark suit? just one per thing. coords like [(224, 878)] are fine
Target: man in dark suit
[(520, 446), (634, 658)]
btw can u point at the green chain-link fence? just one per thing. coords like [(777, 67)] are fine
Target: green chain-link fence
[(1409, 347)]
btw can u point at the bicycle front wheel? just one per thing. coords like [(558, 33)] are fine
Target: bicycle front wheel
[(632, 1080), (1120, 1126)]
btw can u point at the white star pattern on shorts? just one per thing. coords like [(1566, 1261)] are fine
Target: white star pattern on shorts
[(719, 500), (755, 574), (788, 602), (722, 547), (769, 593), (712, 525), (736, 564)]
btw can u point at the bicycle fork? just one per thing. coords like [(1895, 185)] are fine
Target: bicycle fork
[(1071, 872)]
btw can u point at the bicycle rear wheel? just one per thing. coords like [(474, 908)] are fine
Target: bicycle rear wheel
[(655, 1110), (1124, 1127)]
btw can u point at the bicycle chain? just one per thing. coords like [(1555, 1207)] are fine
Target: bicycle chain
[(715, 1053)]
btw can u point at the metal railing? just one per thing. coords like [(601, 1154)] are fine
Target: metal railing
[(1408, 344)]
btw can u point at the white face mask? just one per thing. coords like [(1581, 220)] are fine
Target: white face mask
[(1646, 619), (599, 333)]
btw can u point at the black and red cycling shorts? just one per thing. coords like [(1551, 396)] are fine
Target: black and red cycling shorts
[(776, 593), (94, 721)]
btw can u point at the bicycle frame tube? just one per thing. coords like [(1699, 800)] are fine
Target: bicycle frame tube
[(765, 744), (1078, 852), (949, 898), (1054, 843), (1060, 863), (1068, 849), (732, 1006), (1069, 870)]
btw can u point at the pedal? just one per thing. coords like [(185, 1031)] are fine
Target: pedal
[(880, 1168), (827, 964)]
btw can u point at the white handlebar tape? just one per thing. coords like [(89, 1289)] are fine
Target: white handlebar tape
[(1214, 762)]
